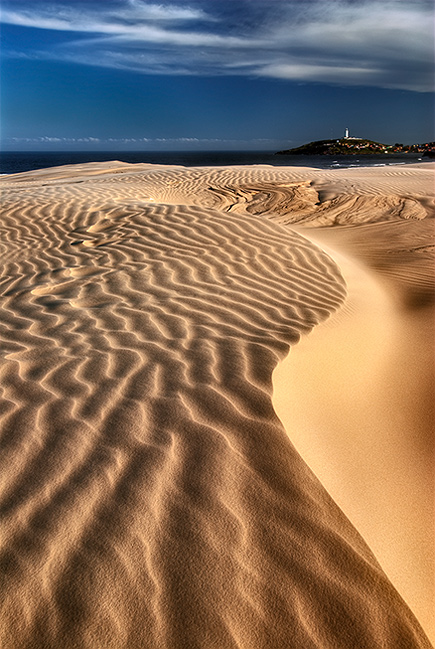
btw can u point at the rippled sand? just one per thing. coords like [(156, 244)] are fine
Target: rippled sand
[(151, 497)]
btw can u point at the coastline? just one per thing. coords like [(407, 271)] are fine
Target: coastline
[(21, 161)]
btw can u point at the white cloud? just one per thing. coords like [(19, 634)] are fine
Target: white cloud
[(331, 73), (53, 139), (388, 44), (44, 139), (92, 18), (139, 9), (137, 23)]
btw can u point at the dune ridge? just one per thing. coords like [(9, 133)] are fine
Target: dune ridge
[(357, 399), (150, 495)]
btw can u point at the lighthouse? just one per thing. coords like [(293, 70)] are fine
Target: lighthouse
[(346, 133)]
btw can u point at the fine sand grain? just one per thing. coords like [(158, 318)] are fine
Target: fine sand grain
[(150, 495), (357, 398)]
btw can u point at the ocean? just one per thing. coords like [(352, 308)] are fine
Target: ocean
[(12, 162)]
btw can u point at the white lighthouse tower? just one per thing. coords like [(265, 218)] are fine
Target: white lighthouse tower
[(346, 133)]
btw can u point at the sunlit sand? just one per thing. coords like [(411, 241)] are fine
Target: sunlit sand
[(217, 409)]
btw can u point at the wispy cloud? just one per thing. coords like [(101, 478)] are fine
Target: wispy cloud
[(52, 139), (93, 17), (388, 44)]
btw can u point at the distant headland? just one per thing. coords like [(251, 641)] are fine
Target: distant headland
[(348, 145)]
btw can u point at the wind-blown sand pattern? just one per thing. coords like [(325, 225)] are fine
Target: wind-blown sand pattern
[(151, 497)]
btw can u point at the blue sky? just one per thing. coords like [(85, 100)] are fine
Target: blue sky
[(214, 74)]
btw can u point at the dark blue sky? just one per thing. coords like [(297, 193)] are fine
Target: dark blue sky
[(214, 74)]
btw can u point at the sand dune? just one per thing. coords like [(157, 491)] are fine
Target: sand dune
[(151, 497), (364, 419)]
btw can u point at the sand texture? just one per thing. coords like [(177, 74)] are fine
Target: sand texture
[(158, 490)]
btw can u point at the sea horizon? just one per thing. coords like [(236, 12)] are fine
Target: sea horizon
[(21, 161)]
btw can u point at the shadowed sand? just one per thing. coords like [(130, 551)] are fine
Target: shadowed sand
[(151, 497)]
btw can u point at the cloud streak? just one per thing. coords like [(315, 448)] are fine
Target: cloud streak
[(43, 139), (141, 144), (366, 43)]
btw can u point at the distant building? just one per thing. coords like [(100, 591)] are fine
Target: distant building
[(349, 137)]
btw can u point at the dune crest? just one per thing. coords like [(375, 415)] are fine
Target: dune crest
[(150, 494)]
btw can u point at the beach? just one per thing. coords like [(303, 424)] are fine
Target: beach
[(217, 407)]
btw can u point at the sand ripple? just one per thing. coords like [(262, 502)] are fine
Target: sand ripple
[(150, 495)]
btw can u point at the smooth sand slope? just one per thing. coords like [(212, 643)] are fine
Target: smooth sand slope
[(358, 398), (150, 495)]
